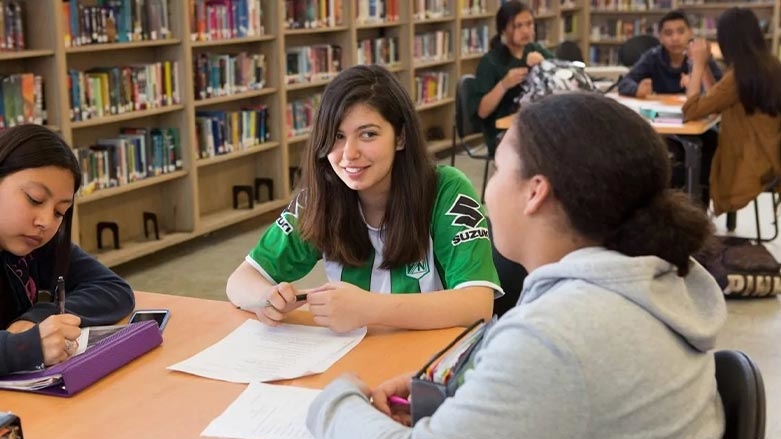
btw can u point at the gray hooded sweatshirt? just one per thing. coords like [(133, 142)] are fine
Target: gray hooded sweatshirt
[(602, 345)]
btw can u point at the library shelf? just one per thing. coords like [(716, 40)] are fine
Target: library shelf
[(130, 115), (250, 150), (101, 194), (90, 48), (234, 97)]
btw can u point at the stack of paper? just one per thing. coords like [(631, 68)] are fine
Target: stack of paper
[(265, 411), (31, 383), (256, 352)]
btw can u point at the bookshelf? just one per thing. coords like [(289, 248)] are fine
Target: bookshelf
[(611, 22), (428, 44)]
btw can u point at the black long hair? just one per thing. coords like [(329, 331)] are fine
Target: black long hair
[(33, 146), (757, 71), (612, 184)]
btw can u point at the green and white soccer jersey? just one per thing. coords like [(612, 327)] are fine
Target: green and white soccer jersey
[(459, 252)]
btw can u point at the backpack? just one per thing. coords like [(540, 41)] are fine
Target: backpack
[(741, 267), (554, 76)]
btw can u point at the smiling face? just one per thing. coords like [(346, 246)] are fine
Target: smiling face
[(363, 153), (33, 202)]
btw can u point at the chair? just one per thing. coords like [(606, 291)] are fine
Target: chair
[(464, 126), (732, 217), (742, 395), (632, 49), (569, 51)]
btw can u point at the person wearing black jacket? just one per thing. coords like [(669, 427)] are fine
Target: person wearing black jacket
[(39, 176), (665, 68)]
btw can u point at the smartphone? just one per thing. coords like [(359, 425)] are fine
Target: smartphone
[(159, 315)]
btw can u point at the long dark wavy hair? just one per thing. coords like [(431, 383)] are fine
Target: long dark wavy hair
[(331, 218)]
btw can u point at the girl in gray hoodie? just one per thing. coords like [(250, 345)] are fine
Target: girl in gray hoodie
[(612, 334)]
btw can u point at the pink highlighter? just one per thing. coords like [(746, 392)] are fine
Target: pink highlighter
[(397, 400)]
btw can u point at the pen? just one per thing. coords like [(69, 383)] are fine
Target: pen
[(397, 400), (61, 294), (267, 303)]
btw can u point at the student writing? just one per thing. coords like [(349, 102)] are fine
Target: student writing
[(39, 176)]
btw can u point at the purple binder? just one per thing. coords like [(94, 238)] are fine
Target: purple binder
[(104, 357)]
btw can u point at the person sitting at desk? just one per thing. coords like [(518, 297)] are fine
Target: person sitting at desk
[(665, 68), (612, 289), (39, 176), (748, 98), (500, 71), (383, 217)]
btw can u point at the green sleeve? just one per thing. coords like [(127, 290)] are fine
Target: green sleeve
[(547, 54), (281, 255), (459, 231)]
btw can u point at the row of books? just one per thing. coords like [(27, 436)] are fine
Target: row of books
[(431, 46), (212, 20), (312, 63), (569, 27), (622, 29), (540, 7), (114, 21), (475, 39), (382, 51), (603, 56), (12, 17), (624, 5), (473, 7), (135, 154), (300, 114), (312, 14), (376, 11), (21, 100), (223, 132), (104, 91), (431, 87), (423, 9), (225, 74)]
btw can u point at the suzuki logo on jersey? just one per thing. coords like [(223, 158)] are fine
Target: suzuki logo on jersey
[(292, 210), (467, 214), (418, 269)]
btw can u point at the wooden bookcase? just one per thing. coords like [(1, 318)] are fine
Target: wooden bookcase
[(646, 14), (198, 198)]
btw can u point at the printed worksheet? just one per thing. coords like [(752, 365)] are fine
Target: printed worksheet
[(255, 352)]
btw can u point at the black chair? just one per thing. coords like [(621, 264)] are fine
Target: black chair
[(742, 394), (569, 51), (632, 49), (464, 125)]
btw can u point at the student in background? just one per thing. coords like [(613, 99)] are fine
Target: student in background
[(501, 70), (611, 290), (381, 215), (748, 98), (665, 68), (39, 176)]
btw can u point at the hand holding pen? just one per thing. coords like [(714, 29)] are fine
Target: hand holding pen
[(392, 398), (280, 300), (60, 292)]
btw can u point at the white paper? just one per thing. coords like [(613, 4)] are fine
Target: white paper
[(265, 411), (256, 352)]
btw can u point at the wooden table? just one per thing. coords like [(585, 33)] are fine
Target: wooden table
[(144, 400), (686, 133)]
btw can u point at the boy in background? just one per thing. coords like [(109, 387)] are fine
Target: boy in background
[(665, 68)]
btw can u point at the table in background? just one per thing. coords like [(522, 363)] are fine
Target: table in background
[(688, 134), (144, 400)]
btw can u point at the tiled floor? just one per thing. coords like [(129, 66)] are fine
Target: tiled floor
[(201, 267)]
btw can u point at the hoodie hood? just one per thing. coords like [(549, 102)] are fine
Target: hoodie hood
[(691, 306)]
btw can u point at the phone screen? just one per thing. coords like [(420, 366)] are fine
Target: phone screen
[(160, 316)]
